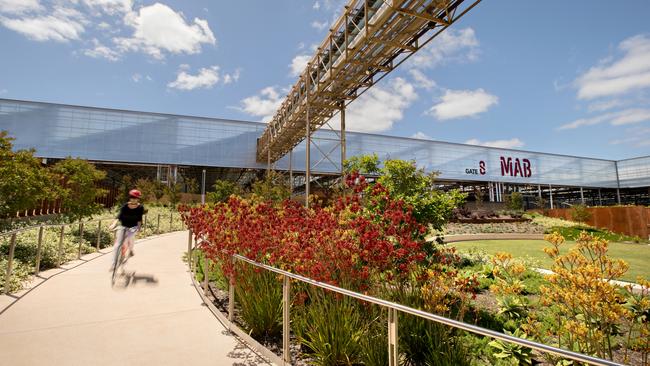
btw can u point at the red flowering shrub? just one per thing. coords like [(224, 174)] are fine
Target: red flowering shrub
[(363, 233)]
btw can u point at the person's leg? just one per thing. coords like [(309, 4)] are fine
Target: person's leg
[(131, 242), (119, 241)]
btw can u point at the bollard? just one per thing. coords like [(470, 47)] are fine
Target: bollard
[(37, 266), (81, 238), (10, 262), (206, 274), (286, 297), (58, 262), (99, 233), (158, 225)]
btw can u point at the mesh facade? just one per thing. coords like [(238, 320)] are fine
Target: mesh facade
[(58, 131)]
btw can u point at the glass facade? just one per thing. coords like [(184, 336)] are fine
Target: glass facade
[(58, 131)]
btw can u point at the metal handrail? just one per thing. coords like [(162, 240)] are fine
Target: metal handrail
[(394, 308)]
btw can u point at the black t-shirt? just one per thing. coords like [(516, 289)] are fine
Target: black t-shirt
[(129, 217)]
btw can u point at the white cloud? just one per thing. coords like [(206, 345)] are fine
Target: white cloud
[(136, 77), (316, 6), (110, 7), (450, 46), (421, 135), (421, 80), (631, 116), (629, 73), (513, 143), (231, 78), (627, 116), (462, 103), (205, 79), (605, 105), (101, 51), (158, 28), (62, 25), (320, 25), (640, 138), (298, 64), (19, 6), (263, 105), (381, 106)]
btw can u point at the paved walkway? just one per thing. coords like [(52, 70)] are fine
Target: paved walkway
[(156, 318)]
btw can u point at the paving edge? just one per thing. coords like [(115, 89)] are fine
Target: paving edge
[(246, 339)]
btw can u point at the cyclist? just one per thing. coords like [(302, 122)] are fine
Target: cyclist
[(130, 219)]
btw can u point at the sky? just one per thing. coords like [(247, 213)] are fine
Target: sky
[(567, 77)]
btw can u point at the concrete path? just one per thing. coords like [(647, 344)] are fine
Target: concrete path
[(153, 317)]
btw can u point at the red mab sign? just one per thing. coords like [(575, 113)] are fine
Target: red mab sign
[(509, 167), (516, 167)]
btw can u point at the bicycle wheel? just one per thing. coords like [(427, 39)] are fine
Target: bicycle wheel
[(116, 266)]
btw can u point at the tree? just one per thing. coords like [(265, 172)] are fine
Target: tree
[(430, 206), (24, 183), (78, 186), (272, 188), (515, 201), (222, 190), (173, 192), (364, 164)]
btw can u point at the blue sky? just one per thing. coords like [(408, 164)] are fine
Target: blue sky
[(569, 77)]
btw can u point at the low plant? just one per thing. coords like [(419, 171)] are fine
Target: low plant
[(333, 328), (259, 296), (513, 353)]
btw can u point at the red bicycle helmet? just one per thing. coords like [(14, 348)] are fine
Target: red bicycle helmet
[(135, 193)]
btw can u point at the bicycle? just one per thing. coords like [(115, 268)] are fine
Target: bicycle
[(122, 255)]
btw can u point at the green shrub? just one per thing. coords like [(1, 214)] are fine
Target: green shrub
[(259, 296), (579, 213), (334, 329), (515, 201)]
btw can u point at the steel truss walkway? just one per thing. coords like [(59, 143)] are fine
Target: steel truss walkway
[(369, 40)]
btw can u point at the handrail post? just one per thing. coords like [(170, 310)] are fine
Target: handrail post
[(10, 262), (171, 217), (189, 250), (231, 294), (393, 340), (99, 233), (158, 225), (81, 238), (286, 298), (206, 273), (59, 260), (37, 265), (144, 224)]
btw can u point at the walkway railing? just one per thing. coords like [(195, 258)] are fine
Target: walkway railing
[(393, 309), (83, 225)]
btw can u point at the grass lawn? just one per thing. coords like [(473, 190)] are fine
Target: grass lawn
[(636, 255)]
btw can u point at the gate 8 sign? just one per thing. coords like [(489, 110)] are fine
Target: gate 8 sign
[(512, 167)]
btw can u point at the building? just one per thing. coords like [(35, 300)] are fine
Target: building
[(166, 146)]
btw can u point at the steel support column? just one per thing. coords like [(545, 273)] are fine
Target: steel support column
[(291, 171), (582, 196), (203, 187), (618, 184), (343, 157), (550, 193), (308, 159)]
